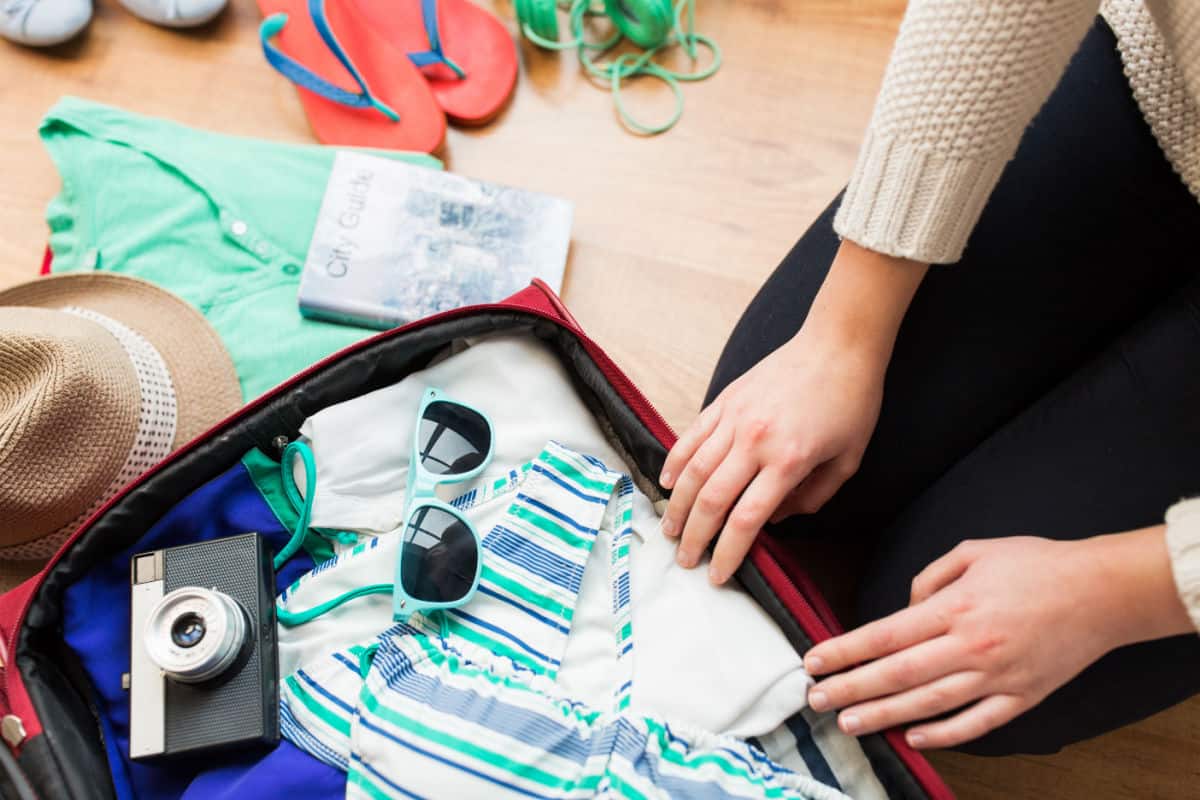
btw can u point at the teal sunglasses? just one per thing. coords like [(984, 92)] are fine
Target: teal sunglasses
[(441, 553)]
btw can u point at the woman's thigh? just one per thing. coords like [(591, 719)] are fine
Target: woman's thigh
[(1107, 450), (1087, 229)]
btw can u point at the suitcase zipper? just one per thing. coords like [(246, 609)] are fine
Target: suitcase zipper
[(789, 593)]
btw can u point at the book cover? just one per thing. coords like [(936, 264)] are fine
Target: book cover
[(394, 243)]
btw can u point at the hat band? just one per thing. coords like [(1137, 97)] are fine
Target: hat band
[(155, 429)]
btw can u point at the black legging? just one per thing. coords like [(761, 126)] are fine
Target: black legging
[(1049, 383)]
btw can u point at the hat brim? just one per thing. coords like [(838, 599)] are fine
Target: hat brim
[(206, 384)]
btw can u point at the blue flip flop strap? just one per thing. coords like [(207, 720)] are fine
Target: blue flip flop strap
[(434, 55), (302, 76)]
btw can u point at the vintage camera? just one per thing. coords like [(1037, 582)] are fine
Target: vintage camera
[(204, 668)]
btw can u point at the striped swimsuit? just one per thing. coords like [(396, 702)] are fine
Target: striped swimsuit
[(467, 706)]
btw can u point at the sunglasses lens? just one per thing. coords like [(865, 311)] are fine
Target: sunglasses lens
[(454, 439), (441, 557)]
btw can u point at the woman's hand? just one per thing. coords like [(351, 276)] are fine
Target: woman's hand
[(799, 419), (792, 429), (992, 628)]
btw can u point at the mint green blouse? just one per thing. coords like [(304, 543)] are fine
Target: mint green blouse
[(222, 221)]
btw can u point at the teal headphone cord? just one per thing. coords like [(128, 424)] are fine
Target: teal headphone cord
[(629, 65), (650, 24), (303, 507), (290, 619)]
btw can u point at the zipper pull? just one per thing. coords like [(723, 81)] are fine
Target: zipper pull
[(12, 729)]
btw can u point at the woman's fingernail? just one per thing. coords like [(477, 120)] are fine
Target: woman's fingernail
[(716, 576), (664, 480), (813, 664), (684, 559), (916, 740), (819, 701), (668, 526), (850, 723)]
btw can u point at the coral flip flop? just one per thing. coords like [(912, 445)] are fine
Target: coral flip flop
[(465, 52), (327, 51)]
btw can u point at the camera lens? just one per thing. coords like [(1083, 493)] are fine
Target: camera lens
[(188, 629), (195, 635)]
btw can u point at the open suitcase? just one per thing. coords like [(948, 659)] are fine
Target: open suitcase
[(57, 745)]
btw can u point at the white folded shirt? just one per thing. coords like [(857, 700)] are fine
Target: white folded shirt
[(705, 656)]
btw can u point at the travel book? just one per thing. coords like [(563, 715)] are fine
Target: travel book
[(395, 242)]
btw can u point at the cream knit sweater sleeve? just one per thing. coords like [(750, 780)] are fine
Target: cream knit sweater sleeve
[(964, 80), (1183, 543)]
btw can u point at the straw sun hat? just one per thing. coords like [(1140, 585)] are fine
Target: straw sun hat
[(101, 376)]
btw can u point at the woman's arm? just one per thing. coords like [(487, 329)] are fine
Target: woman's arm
[(965, 78), (799, 420), (996, 626), (855, 316), (863, 299)]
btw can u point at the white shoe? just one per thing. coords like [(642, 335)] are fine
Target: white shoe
[(42, 23), (175, 13)]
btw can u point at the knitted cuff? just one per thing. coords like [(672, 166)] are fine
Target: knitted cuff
[(912, 202), (1183, 543)]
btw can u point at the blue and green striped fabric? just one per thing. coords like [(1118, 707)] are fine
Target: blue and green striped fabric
[(533, 565), (534, 560), (467, 706), (434, 720)]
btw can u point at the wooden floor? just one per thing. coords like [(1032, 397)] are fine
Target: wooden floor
[(672, 236)]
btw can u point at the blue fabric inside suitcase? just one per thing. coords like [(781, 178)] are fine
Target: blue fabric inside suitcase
[(96, 626)]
